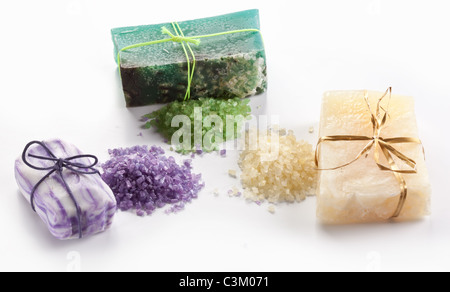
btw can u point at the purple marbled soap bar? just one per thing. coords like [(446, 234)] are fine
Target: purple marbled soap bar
[(52, 200)]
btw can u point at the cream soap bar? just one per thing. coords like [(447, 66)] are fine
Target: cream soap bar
[(361, 192)]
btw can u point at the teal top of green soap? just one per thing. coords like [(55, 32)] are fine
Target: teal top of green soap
[(172, 52)]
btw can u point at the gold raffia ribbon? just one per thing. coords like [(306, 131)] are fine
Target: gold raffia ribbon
[(379, 119)]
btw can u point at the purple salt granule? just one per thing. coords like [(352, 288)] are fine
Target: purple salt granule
[(199, 150), (175, 208), (144, 180), (223, 153)]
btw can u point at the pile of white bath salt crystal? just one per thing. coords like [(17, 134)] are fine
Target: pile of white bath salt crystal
[(276, 167)]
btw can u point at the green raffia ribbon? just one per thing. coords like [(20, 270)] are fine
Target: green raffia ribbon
[(179, 37)]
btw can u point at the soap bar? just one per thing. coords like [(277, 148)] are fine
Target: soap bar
[(227, 66), (52, 200), (361, 192)]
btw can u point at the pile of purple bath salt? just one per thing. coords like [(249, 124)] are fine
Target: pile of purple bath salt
[(143, 179)]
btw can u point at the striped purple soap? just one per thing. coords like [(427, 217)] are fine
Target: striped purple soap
[(64, 188)]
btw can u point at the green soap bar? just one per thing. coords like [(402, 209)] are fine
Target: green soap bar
[(227, 66)]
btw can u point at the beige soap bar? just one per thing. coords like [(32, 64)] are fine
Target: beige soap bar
[(361, 192)]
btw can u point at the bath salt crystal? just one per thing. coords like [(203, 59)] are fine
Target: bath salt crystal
[(196, 113), (143, 179), (234, 192), (232, 173), (288, 176)]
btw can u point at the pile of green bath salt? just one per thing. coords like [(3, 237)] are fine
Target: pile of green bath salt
[(276, 167), (201, 125)]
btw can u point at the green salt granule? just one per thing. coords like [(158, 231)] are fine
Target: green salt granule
[(227, 66), (232, 113)]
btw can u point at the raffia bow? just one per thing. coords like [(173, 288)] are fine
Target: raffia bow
[(379, 119)]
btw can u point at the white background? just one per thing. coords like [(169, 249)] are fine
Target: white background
[(59, 79)]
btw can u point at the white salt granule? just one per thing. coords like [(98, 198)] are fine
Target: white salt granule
[(232, 173), (289, 177)]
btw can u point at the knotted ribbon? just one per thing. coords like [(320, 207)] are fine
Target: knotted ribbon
[(378, 120), (59, 165), (179, 37)]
